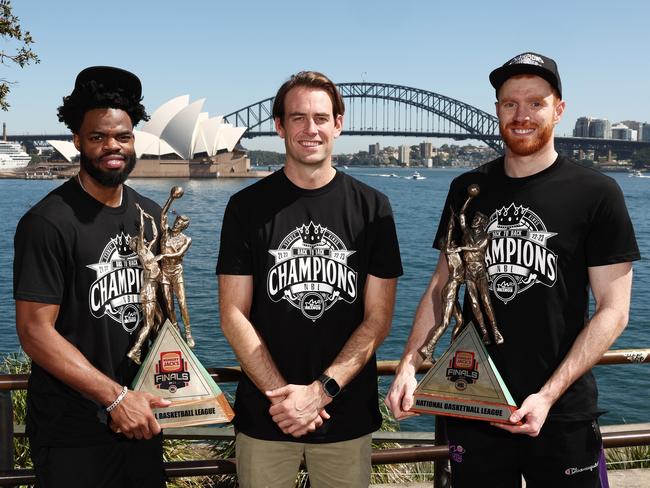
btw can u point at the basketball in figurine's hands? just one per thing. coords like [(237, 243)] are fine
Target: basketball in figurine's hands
[(177, 192), (473, 190)]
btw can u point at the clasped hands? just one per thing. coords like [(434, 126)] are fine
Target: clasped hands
[(299, 409)]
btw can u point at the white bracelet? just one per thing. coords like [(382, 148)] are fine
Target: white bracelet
[(117, 401)]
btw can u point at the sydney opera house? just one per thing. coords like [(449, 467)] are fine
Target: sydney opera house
[(182, 141)]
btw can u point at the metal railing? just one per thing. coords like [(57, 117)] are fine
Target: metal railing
[(614, 436)]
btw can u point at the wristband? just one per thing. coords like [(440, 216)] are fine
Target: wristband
[(117, 401)]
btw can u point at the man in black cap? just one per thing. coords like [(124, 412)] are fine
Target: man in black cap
[(557, 230), (76, 286)]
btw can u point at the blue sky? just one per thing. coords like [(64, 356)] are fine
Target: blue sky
[(238, 52)]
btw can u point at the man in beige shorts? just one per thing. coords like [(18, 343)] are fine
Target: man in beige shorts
[(308, 268)]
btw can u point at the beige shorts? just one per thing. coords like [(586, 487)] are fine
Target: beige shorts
[(275, 464)]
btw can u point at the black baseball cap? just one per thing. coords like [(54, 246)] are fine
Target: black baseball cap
[(110, 78), (528, 64)]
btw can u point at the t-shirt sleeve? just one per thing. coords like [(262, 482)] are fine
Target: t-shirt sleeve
[(385, 260), (235, 250), (442, 224), (39, 261), (611, 236)]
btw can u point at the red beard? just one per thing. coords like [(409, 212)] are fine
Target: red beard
[(527, 145)]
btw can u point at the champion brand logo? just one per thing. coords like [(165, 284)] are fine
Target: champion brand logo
[(572, 471)]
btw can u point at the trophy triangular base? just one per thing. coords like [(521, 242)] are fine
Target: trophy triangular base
[(464, 382), (172, 371)]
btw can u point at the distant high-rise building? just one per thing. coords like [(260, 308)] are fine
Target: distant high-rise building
[(631, 124), (582, 127), (644, 133), (426, 150), (600, 128), (635, 126), (404, 155), (623, 132), (373, 149)]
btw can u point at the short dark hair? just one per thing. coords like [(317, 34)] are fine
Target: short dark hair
[(92, 95), (309, 79)]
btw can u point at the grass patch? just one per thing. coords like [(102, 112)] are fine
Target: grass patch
[(184, 450), (632, 457), (18, 363)]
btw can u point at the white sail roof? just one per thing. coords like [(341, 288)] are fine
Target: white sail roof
[(228, 136), (163, 114), (146, 143), (209, 130), (65, 148), (181, 129), (188, 131), (198, 144)]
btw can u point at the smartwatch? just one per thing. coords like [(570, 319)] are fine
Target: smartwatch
[(330, 385)]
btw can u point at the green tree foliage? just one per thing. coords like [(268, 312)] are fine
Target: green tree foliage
[(641, 158), (264, 158), (18, 47)]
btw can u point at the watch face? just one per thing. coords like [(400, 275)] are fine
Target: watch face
[(331, 387)]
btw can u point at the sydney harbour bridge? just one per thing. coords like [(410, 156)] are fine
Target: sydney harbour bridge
[(383, 109)]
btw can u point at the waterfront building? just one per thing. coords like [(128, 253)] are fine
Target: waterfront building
[(65, 149), (180, 140), (634, 125), (404, 155), (373, 149), (177, 130), (426, 150), (187, 130), (600, 129), (623, 132), (582, 127), (644, 134)]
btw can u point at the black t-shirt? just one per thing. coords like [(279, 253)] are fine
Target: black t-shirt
[(546, 230), (72, 251), (309, 252)]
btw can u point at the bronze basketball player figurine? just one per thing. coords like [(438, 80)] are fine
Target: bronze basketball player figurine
[(150, 277), (475, 243), (449, 292), (173, 246), (469, 268)]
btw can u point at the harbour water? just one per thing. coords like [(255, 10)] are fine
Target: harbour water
[(417, 206)]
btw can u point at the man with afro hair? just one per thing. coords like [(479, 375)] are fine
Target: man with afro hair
[(76, 286)]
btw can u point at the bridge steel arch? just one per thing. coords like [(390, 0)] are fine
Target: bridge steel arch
[(477, 123)]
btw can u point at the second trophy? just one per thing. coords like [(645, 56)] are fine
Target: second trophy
[(464, 382)]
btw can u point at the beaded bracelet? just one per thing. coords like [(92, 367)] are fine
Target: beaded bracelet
[(117, 401)]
